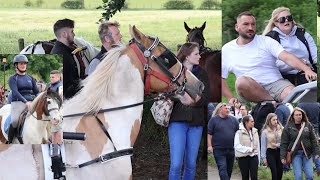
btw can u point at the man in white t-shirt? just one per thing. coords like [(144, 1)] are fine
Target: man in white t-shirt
[(252, 58)]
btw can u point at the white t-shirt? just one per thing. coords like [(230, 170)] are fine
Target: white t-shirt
[(256, 59)]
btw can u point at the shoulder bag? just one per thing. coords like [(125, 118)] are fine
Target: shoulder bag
[(161, 111), (289, 153)]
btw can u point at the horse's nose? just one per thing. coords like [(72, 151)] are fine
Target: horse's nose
[(56, 120)]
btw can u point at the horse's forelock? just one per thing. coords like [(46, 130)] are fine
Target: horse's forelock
[(55, 96), (196, 35)]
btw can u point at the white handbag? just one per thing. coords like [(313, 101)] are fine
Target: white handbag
[(161, 111)]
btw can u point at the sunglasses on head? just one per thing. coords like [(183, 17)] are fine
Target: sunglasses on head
[(283, 19)]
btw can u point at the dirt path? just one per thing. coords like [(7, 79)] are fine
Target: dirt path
[(213, 174)]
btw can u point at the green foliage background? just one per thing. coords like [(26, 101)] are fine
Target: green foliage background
[(39, 66)]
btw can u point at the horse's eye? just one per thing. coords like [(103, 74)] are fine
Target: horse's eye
[(49, 102)]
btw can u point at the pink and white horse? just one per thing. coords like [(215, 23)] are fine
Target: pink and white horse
[(117, 81), (36, 128)]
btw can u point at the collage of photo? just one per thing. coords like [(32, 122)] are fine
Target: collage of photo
[(171, 89)]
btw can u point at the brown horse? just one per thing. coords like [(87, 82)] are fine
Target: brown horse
[(210, 60)]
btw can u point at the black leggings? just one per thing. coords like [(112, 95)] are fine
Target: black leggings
[(274, 163), (249, 165)]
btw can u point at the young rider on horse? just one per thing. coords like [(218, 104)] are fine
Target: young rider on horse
[(23, 87)]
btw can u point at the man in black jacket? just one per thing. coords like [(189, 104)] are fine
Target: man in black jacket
[(63, 30)]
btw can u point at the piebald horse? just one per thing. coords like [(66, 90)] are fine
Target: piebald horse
[(36, 128), (118, 81), (210, 60), (88, 51)]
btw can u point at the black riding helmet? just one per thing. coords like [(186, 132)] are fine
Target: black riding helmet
[(20, 58)]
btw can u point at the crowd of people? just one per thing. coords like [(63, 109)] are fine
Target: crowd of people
[(268, 71), (229, 139), (267, 68)]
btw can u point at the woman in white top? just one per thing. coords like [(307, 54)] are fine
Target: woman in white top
[(246, 145), (270, 145), (282, 26)]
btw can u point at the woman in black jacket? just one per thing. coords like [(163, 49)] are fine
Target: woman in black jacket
[(186, 122), (307, 144)]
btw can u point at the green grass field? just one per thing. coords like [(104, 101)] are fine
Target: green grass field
[(91, 4), (167, 25)]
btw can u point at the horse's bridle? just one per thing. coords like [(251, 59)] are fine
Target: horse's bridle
[(165, 61), (47, 111)]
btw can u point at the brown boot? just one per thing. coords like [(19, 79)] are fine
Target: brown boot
[(318, 173)]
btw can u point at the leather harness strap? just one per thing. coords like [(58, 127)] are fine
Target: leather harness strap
[(108, 156), (147, 72)]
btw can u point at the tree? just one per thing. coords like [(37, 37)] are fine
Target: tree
[(42, 64), (110, 7)]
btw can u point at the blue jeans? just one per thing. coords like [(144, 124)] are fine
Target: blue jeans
[(316, 162), (224, 159), (184, 143), (300, 162)]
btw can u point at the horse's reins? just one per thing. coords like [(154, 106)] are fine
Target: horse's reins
[(116, 153), (160, 97), (173, 79)]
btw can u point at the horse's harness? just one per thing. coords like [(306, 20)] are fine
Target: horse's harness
[(165, 61), (46, 112)]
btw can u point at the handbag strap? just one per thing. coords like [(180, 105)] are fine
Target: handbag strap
[(298, 137)]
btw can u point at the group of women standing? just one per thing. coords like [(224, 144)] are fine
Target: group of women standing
[(276, 141)]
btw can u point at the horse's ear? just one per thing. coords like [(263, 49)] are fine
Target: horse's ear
[(136, 34), (186, 27), (203, 26)]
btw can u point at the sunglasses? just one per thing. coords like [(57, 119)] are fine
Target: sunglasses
[(283, 19)]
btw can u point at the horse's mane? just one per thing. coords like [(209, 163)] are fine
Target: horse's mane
[(92, 51), (97, 87), (35, 102)]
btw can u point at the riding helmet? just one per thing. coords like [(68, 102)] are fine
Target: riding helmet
[(20, 58)]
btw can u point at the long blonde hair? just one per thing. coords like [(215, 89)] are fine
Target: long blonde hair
[(270, 23), (268, 122)]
